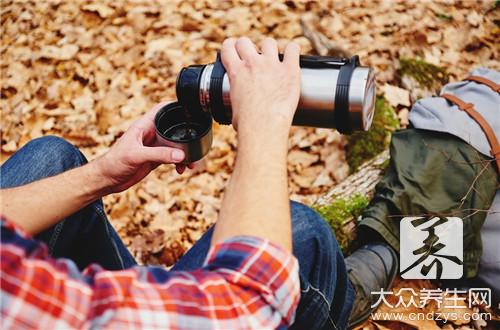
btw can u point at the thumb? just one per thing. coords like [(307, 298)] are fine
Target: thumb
[(163, 155)]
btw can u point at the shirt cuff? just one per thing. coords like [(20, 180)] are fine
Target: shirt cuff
[(263, 266)]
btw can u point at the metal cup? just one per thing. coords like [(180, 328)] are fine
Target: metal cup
[(179, 129)]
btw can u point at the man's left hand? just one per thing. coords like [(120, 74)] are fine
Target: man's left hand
[(135, 154)]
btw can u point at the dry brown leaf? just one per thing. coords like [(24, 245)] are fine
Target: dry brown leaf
[(301, 158), (474, 18), (17, 75), (159, 46), (103, 10), (65, 52), (10, 146), (396, 95)]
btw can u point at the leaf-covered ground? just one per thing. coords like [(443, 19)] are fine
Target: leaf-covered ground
[(84, 70)]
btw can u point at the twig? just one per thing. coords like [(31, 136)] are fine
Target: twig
[(474, 211), (321, 44), (473, 184)]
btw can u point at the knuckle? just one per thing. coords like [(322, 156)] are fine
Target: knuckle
[(249, 63), (232, 74), (233, 69)]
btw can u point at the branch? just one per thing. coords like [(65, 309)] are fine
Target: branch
[(321, 44)]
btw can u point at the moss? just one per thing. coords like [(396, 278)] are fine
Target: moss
[(363, 146), (444, 17), (427, 75), (337, 213), (385, 164)]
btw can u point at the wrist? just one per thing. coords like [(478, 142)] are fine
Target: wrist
[(266, 134), (268, 153), (263, 144), (99, 183)]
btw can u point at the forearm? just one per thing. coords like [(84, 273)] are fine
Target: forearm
[(41, 204), (256, 201)]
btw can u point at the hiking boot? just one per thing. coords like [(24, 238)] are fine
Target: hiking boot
[(370, 268)]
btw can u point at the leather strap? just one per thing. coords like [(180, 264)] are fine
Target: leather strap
[(481, 80), (488, 131)]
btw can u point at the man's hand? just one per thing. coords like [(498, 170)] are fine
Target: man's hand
[(136, 154), (264, 96), (264, 91), (39, 205)]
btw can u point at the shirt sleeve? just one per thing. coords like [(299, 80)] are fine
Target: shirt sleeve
[(246, 282)]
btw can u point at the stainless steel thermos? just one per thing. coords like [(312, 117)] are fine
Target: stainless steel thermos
[(335, 93)]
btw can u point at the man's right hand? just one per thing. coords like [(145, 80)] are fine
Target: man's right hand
[(264, 91), (264, 96)]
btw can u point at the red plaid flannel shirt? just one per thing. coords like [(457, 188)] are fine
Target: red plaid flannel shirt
[(246, 282)]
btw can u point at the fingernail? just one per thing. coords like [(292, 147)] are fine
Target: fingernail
[(177, 155)]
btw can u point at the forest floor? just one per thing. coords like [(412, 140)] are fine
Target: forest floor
[(85, 70)]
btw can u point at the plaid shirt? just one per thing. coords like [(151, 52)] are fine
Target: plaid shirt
[(246, 282)]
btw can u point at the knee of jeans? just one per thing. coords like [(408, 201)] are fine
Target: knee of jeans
[(55, 153), (308, 225)]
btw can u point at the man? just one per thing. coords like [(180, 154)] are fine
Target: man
[(241, 274)]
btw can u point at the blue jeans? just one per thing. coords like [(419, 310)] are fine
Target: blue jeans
[(88, 237)]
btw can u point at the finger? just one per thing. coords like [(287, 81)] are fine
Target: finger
[(180, 168), (246, 49), (269, 47), (163, 155), (292, 54), (229, 55)]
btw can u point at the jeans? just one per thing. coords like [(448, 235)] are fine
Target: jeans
[(87, 237)]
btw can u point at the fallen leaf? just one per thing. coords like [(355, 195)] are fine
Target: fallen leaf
[(103, 10), (159, 46), (49, 124), (65, 52), (301, 158), (10, 146), (474, 18), (396, 95)]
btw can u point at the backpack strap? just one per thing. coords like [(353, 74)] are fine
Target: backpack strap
[(481, 80), (488, 131)]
